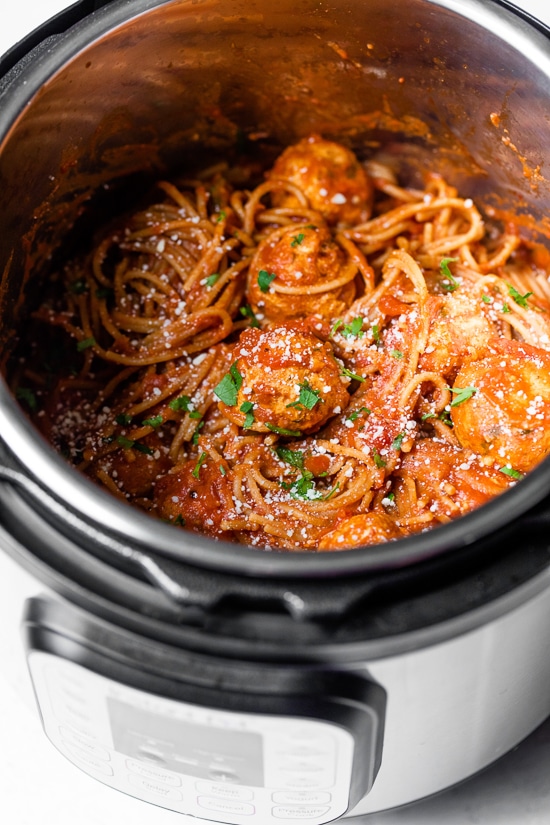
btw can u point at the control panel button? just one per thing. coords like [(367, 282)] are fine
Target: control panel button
[(292, 812), (88, 761), (80, 740), (226, 806), (224, 791), (154, 788), (152, 772), (301, 797)]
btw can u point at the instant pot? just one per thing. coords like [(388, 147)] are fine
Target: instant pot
[(225, 682)]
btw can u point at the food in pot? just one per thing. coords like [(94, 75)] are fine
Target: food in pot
[(315, 358)]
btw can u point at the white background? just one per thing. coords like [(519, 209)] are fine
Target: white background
[(38, 786)]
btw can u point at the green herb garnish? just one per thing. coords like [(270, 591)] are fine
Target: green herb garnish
[(398, 441), (378, 460), (129, 444), (212, 279), (293, 457), (308, 397), (228, 388), (183, 402), (247, 407), (450, 283), (396, 353), (79, 287), (123, 419), (248, 312), (297, 239), (154, 422), (520, 299), (85, 344), (356, 413), (28, 396), (509, 471), (265, 279), (197, 468), (281, 430), (462, 394), (350, 374)]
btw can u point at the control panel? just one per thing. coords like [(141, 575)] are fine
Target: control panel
[(217, 765)]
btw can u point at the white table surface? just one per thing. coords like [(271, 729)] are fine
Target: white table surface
[(37, 785)]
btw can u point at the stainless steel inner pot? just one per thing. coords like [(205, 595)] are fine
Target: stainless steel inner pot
[(139, 88), (440, 641)]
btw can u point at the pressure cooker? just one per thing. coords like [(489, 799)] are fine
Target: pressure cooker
[(229, 683)]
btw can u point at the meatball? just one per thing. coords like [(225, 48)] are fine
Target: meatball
[(359, 530), (295, 258), (501, 406), (135, 468), (196, 495), (458, 332), (331, 177), (284, 380)]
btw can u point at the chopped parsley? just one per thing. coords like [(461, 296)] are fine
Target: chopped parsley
[(247, 407), (350, 374), (221, 217), (520, 299), (297, 239), (79, 287), (197, 468), (351, 330), (398, 441), (375, 330), (265, 279), (378, 460), (308, 397), (228, 388), (505, 309), (223, 471), (486, 299), (449, 283), (443, 416), (462, 394), (281, 430), (509, 471), (104, 292), (356, 413), (154, 422), (179, 521), (303, 488), (86, 343), (396, 353), (123, 419), (129, 444), (248, 312), (293, 457), (195, 437), (28, 396), (183, 402), (212, 279)]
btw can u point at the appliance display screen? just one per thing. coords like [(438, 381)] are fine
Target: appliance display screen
[(185, 747)]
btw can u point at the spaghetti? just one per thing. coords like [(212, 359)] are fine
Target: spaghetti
[(324, 360)]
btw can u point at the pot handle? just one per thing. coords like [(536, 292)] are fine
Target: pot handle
[(190, 586)]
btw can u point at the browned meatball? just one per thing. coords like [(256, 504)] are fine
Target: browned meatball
[(197, 495), (331, 177), (501, 406), (300, 258), (284, 380)]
